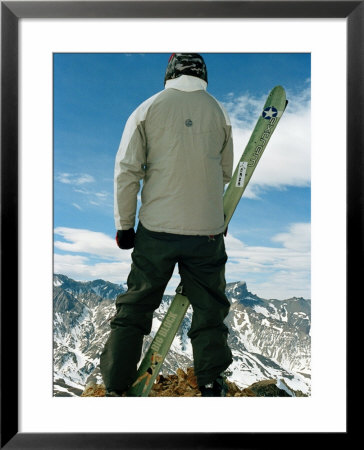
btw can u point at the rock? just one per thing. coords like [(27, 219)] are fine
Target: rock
[(233, 389), (190, 372), (184, 384), (266, 388), (160, 379), (189, 394), (181, 374), (247, 393), (94, 390), (180, 390), (191, 378)]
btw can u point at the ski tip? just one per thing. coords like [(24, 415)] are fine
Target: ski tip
[(276, 98), (279, 88)]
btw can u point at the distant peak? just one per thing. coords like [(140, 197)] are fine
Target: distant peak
[(59, 279), (236, 285)]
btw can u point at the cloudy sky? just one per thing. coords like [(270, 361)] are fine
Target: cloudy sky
[(268, 242)]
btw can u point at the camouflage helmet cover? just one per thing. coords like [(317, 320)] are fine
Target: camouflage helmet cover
[(185, 64)]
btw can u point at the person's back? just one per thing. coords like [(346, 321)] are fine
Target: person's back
[(186, 133), (179, 143)]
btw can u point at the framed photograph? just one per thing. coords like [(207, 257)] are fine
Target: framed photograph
[(49, 50)]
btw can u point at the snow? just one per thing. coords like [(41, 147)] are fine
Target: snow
[(284, 317), (301, 315), (57, 282), (76, 359), (62, 389), (58, 318), (155, 326), (251, 332), (80, 357), (274, 315), (281, 385), (298, 383), (261, 310), (248, 369)]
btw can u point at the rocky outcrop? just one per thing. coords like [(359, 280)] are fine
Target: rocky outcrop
[(184, 384)]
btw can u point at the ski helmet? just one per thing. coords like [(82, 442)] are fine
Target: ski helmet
[(185, 64)]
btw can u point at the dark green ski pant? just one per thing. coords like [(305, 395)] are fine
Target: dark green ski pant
[(201, 262)]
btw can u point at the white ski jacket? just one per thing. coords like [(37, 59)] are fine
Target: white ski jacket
[(179, 143)]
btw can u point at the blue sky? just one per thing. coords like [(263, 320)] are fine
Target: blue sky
[(268, 243)]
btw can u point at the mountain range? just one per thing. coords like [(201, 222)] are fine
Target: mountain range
[(269, 338)]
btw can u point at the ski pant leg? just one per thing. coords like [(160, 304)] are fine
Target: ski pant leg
[(202, 271), (152, 267)]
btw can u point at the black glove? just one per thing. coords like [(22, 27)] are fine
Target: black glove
[(125, 238)]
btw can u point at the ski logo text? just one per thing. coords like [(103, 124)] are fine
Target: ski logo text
[(263, 142), (163, 331), (240, 179)]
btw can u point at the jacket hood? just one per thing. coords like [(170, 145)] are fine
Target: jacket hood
[(186, 83)]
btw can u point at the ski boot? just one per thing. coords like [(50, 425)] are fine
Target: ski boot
[(218, 388), (113, 393)]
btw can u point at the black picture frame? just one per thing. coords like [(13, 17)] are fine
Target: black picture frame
[(11, 12)]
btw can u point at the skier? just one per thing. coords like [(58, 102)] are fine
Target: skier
[(179, 143)]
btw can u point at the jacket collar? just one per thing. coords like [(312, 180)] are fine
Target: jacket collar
[(186, 83)]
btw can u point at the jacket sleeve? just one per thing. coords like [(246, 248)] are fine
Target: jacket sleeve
[(227, 156), (129, 170), (227, 152)]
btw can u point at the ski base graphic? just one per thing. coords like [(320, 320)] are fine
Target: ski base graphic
[(152, 362)]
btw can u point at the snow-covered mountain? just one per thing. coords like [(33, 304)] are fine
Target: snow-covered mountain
[(269, 338)]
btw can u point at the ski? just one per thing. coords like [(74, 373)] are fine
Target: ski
[(151, 364)]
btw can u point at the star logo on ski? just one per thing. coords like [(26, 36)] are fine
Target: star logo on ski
[(270, 112)]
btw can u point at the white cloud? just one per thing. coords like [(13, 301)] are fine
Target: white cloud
[(84, 178), (90, 255), (271, 272), (93, 243), (102, 195), (102, 198), (81, 268), (95, 255), (286, 160), (297, 238), (98, 198), (283, 285), (82, 191), (75, 178)]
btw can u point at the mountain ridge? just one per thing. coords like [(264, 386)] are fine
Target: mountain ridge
[(270, 339)]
